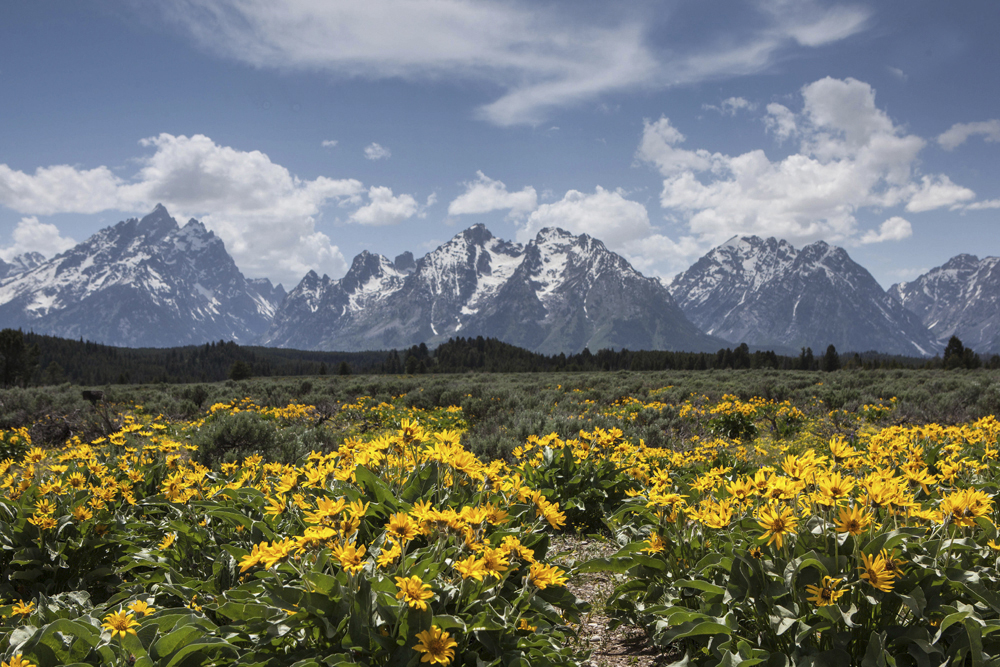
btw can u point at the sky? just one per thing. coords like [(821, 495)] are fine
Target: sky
[(302, 132)]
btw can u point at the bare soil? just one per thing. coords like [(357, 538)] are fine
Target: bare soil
[(626, 646)]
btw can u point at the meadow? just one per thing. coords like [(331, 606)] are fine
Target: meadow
[(743, 518)]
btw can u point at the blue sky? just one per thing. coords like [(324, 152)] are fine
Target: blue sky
[(305, 131)]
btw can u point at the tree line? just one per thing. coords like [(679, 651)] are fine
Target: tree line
[(34, 359)]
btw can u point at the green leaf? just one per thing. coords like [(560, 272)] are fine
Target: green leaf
[(974, 633), (700, 585)]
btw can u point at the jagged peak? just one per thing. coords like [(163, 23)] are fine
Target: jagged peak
[(555, 234), (405, 263), (370, 261), (963, 260), (198, 225), (156, 224), (738, 242), (477, 234)]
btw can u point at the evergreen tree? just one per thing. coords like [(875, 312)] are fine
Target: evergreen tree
[(954, 353), (17, 359), (345, 368), (831, 360), (240, 370), (806, 360), (53, 374)]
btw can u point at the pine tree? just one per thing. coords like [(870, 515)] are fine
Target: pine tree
[(954, 353), (831, 360)]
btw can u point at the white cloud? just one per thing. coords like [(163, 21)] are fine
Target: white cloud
[(658, 145), (851, 157), (385, 209), (983, 205), (958, 133), (58, 189), (605, 215), (730, 105), (540, 56), (893, 229), (30, 235), (937, 193), (266, 215), (898, 73), (622, 224), (485, 194), (329, 143), (375, 151), (780, 120)]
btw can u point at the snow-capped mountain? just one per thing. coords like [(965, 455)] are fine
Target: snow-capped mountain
[(145, 282), (557, 293), (960, 298), (768, 294), (20, 264)]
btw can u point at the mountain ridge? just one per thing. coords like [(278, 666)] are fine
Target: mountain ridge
[(535, 295), (959, 298), (767, 293)]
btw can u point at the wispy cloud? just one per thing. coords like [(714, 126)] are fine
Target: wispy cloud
[(959, 133), (541, 55)]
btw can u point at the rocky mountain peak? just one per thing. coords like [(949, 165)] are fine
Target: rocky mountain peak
[(477, 234), (364, 268), (142, 282), (959, 298), (405, 263), (768, 294)]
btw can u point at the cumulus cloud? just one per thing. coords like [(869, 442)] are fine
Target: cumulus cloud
[(730, 105), (266, 215), (374, 151), (385, 208), (893, 229), (541, 56), (621, 223), (58, 189), (329, 143), (30, 235), (959, 133), (605, 214), (485, 194), (780, 120), (851, 157), (937, 192)]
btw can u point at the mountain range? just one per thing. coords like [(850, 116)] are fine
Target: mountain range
[(150, 282), (557, 293)]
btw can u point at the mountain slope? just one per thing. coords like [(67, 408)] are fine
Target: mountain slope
[(768, 294), (557, 293), (960, 298), (147, 283)]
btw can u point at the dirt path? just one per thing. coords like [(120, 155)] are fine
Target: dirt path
[(623, 647)]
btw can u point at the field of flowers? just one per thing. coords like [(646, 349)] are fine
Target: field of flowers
[(761, 533)]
